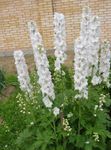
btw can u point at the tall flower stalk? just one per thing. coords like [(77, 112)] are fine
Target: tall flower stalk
[(94, 49), (22, 70), (42, 65), (105, 58), (86, 53), (81, 48), (59, 40), (80, 69), (90, 31)]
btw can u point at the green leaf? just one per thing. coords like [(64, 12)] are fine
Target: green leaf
[(23, 136)]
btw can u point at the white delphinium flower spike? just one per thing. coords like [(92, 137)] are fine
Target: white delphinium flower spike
[(22, 70), (90, 31), (80, 69), (81, 48), (42, 65), (59, 40), (94, 49), (105, 58), (85, 23)]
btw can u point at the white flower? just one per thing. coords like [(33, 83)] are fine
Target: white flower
[(56, 111), (6, 146), (70, 115), (47, 102), (95, 115), (80, 67), (94, 45), (22, 70), (32, 123), (42, 65), (96, 136), (90, 31), (105, 58), (81, 48), (96, 106), (66, 125), (86, 53), (87, 142), (59, 40), (96, 80)]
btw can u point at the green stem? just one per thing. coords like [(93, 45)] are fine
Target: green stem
[(62, 115), (79, 118), (62, 86), (79, 125), (54, 128)]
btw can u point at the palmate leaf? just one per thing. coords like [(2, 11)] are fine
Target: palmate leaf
[(80, 141), (23, 136), (44, 138), (99, 146), (88, 147), (37, 145), (60, 147)]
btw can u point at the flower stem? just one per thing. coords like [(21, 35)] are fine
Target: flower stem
[(79, 125), (54, 128)]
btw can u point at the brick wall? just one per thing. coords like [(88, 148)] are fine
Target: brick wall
[(14, 15)]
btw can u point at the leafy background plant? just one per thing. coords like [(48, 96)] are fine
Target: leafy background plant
[(2, 80), (27, 125)]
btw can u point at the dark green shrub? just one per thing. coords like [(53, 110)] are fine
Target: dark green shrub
[(2, 80)]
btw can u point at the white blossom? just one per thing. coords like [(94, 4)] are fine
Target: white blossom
[(32, 123), (59, 40), (22, 70), (81, 56), (105, 58), (86, 50), (94, 49), (96, 80), (56, 111), (87, 142), (70, 115), (47, 102), (90, 31), (42, 65), (96, 136), (66, 125), (80, 67)]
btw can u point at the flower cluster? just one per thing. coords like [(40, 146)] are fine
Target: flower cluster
[(22, 70), (56, 111), (59, 40), (105, 58), (99, 107), (86, 53), (90, 31), (21, 104), (7, 129), (87, 142), (69, 115), (80, 67), (81, 51), (96, 136), (94, 35), (102, 101), (42, 65), (66, 125), (26, 106), (94, 51)]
